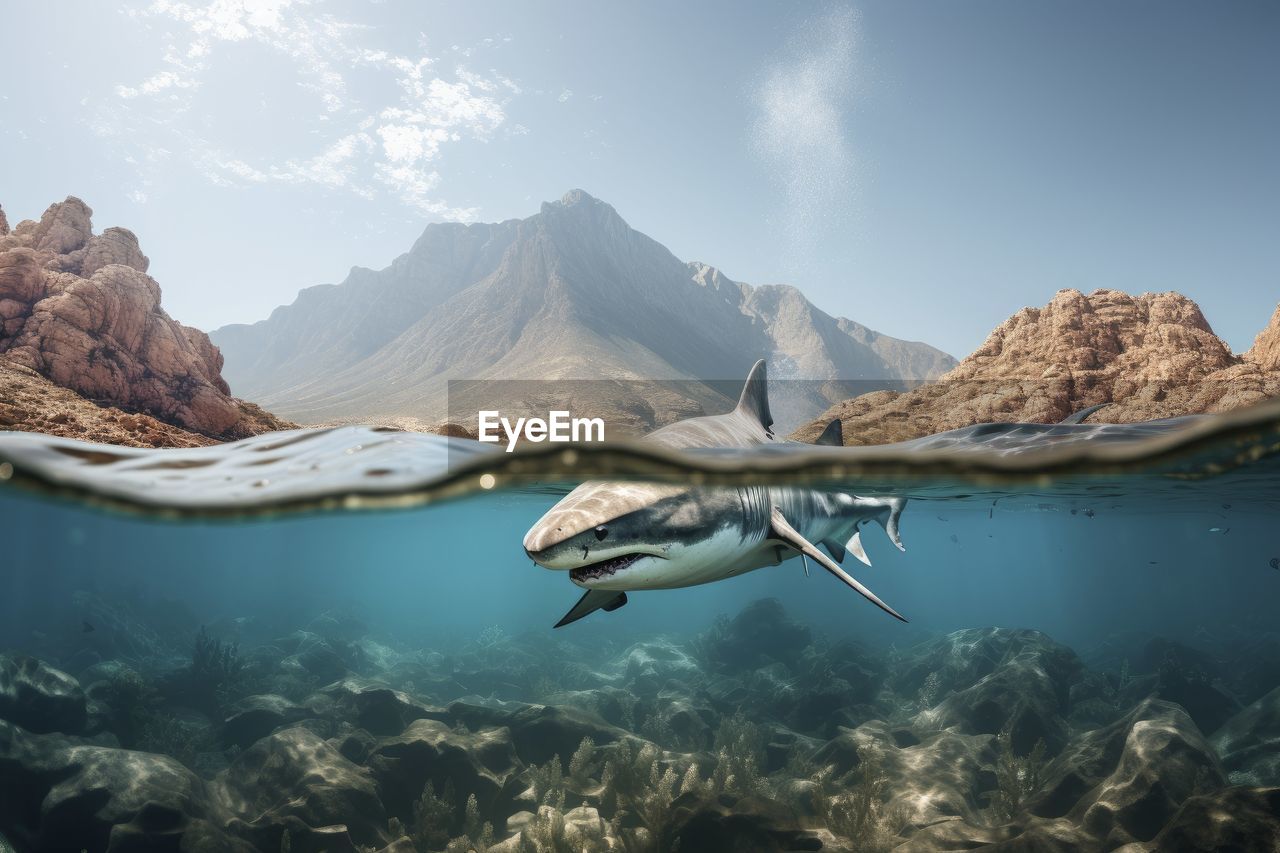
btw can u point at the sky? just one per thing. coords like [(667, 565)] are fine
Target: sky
[(924, 168)]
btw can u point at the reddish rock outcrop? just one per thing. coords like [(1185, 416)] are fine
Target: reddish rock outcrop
[(79, 309), (1148, 356), (1265, 352)]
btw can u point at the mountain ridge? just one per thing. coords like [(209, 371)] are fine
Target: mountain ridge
[(569, 292)]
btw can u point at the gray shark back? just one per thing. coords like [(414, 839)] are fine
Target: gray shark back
[(747, 425)]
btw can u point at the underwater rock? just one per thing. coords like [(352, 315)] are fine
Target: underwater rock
[(962, 658), (540, 732), (650, 666), (294, 781), (60, 793), (936, 779), (1025, 694), (1242, 820), (482, 763), (762, 632), (40, 698), (1249, 743), (254, 717), (730, 825), (372, 705), (1121, 783)]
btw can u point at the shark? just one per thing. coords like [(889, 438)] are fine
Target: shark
[(619, 537)]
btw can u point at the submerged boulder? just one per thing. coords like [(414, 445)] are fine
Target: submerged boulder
[(1024, 694), (1249, 743), (255, 717), (1241, 820), (295, 782), (371, 705), (1123, 782), (481, 763), (63, 793), (760, 633), (40, 698)]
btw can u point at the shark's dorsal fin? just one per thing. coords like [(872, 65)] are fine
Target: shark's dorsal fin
[(1079, 417), (780, 528), (591, 601), (754, 402), (832, 436)]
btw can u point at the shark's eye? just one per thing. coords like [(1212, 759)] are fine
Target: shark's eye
[(602, 532)]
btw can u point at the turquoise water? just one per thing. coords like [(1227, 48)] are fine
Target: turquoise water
[(1144, 556)]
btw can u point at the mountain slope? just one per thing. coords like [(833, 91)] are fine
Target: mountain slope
[(572, 292)]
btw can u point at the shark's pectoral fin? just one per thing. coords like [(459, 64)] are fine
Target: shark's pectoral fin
[(592, 600), (782, 529), (854, 546)]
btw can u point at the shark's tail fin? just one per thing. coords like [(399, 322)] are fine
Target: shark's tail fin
[(754, 402)]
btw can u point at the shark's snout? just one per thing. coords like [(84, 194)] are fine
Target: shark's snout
[(540, 538)]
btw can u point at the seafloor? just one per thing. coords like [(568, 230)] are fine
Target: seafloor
[(754, 735)]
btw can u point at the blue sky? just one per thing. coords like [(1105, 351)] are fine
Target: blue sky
[(925, 168)]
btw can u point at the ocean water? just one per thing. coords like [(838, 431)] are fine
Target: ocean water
[(403, 555)]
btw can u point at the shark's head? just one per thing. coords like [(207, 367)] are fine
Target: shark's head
[(635, 535)]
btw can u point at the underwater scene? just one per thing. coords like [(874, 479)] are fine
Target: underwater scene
[(342, 639)]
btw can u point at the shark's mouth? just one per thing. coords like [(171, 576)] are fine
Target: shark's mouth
[(605, 568)]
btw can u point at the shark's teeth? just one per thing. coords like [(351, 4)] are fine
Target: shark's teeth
[(604, 568)]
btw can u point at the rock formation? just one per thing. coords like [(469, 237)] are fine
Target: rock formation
[(1148, 356), (80, 310)]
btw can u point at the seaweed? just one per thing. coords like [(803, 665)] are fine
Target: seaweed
[(548, 783), (1017, 777), (433, 816), (739, 747), (854, 810)]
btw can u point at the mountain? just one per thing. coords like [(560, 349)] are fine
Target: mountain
[(571, 292), (86, 351), (1147, 356)]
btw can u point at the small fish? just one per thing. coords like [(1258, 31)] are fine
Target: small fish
[(1222, 530), (955, 539), (1088, 513), (86, 628), (1275, 562)]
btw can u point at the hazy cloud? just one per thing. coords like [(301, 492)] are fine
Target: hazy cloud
[(799, 127), (386, 136)]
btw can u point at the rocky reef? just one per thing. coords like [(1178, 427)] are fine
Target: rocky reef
[(754, 735), (1148, 356), (79, 310)]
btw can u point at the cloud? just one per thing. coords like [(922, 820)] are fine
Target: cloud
[(387, 138), (798, 131)]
